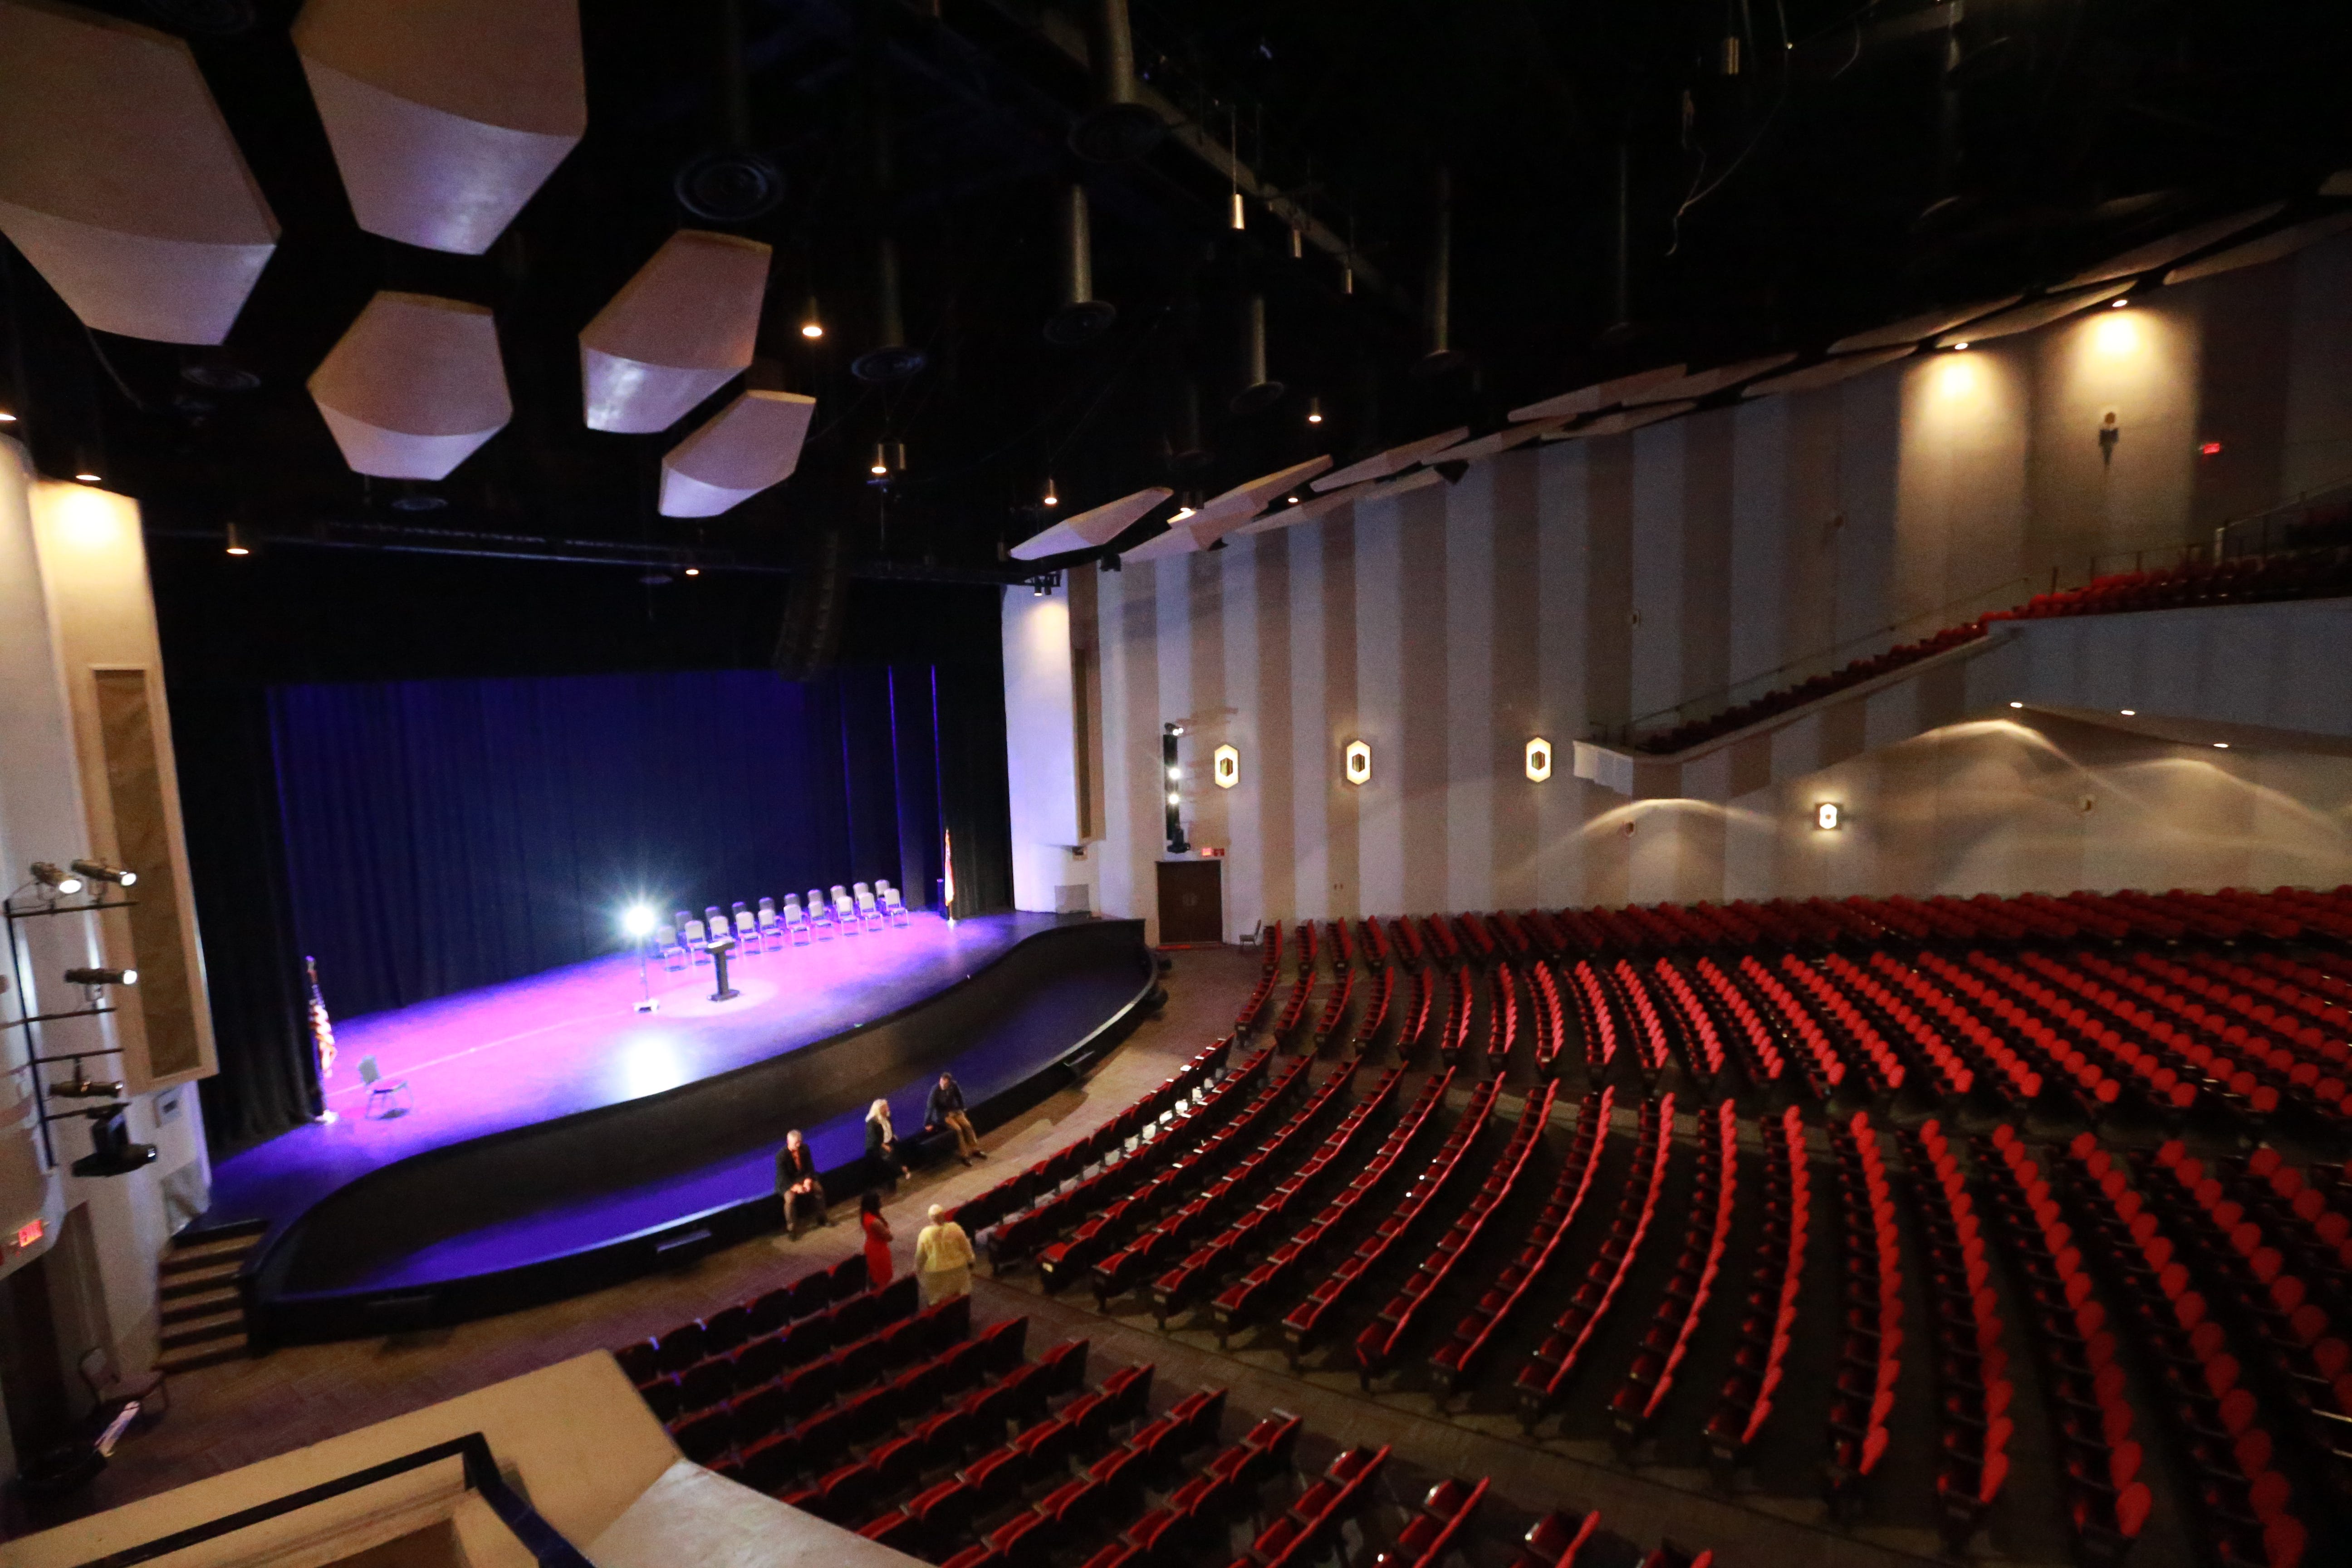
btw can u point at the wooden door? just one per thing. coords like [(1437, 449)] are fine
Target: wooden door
[(1191, 902)]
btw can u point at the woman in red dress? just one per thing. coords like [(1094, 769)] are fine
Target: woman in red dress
[(878, 1238)]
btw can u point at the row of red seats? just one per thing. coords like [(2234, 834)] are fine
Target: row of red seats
[(1649, 1031), (1479, 942), (2241, 579), (1460, 1005), (1439, 941), (936, 1434), (1745, 1402), (1310, 1530), (1869, 1359), (1220, 1180), (1458, 1361), (1812, 688), (2233, 1253), (1549, 1014), (2308, 1214), (1408, 945), (1412, 1020), (1305, 1323), (1817, 1062), (2034, 1044), (2223, 1440), (1176, 1289), (2086, 1047), (1991, 1064), (1376, 1011), (1575, 1541), (1343, 947), (1436, 1529), (1858, 1040), (1707, 1237), (1170, 1101), (2293, 1057), (2313, 995), (1251, 1298), (1125, 1205), (1922, 1044), (720, 1356), (1375, 945), (1542, 1380), (863, 1388), (1293, 1006), (2250, 1075), (1503, 1027), (1971, 1360), (1336, 1002), (1596, 1021), (1737, 1020), (1378, 1345), (730, 1328), (1703, 1053), (2082, 1385)]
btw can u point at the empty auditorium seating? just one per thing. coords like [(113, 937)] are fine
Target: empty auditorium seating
[(1706, 1236), (1766, 1330), (1868, 1359)]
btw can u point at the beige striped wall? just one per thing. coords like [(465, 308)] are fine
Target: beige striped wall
[(1560, 591)]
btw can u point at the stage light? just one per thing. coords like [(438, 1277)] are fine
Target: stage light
[(2128, 713), (101, 977), (1225, 766), (99, 871), (1538, 760), (1358, 765), (50, 876), (2117, 304), (1828, 816), (2017, 705), (1315, 411), (637, 920), (1038, 589), (693, 571), (80, 1088), (1175, 772), (87, 478), (1293, 499), (7, 417), (881, 463), (234, 544), (1173, 799), (1049, 498), (2221, 745), (811, 326), (1182, 513), (1959, 348)]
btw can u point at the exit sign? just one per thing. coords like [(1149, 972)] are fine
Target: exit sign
[(30, 1232)]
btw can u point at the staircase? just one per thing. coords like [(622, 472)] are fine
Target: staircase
[(204, 1315)]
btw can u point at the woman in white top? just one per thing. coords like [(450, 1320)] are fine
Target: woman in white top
[(943, 1259)]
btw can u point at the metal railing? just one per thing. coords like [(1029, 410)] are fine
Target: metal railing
[(540, 1537)]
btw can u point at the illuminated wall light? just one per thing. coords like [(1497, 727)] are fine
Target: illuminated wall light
[(2017, 705), (2221, 745), (2128, 713), (1959, 348), (1225, 766), (1539, 759), (1829, 816), (1174, 799), (1357, 763), (2209, 449)]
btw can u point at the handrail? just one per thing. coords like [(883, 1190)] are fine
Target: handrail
[(540, 1537)]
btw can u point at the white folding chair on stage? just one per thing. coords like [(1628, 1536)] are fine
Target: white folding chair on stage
[(696, 940), (820, 914), (894, 906), (673, 951), (772, 934), (796, 922), (869, 913), (746, 929), (845, 912), (714, 919), (393, 1097)]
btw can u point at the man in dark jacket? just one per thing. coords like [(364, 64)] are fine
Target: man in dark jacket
[(797, 1184), (944, 1112)]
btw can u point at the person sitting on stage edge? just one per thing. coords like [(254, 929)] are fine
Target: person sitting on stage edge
[(944, 1112), (878, 1238), (943, 1259), (797, 1184), (884, 1160)]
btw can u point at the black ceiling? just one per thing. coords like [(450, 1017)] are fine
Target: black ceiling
[(1866, 161)]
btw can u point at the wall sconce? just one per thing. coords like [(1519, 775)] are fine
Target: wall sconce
[(1225, 766), (1539, 759), (1829, 816), (1358, 763)]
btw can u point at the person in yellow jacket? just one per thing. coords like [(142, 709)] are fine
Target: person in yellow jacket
[(943, 1259)]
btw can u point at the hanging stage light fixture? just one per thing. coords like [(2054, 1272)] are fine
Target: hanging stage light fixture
[(1119, 127), (1080, 316), (1259, 391), (99, 871)]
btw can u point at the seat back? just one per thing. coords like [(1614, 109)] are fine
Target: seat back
[(369, 1072)]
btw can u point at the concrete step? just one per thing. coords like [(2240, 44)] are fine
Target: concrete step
[(205, 1330), (212, 1255), (181, 1309), (212, 1352), (177, 1283)]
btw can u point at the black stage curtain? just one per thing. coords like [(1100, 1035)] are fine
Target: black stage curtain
[(447, 834), (253, 968)]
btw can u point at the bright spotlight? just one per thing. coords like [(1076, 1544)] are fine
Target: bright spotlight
[(2221, 745), (2017, 705), (101, 977), (98, 871), (2117, 304), (1959, 348), (637, 920), (50, 876)]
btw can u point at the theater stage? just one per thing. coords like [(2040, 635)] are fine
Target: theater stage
[(560, 1140)]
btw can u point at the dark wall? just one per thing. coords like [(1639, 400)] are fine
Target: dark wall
[(234, 628)]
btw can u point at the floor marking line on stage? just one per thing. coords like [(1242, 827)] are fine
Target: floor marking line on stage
[(485, 1046)]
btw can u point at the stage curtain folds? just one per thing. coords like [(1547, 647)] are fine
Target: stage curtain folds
[(447, 834)]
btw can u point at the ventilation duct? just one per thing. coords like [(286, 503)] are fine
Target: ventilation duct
[(1438, 354), (1259, 391), (891, 358), (1080, 316), (1620, 252), (1186, 448), (1118, 127), (730, 182)]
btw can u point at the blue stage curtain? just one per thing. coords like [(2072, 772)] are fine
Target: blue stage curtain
[(447, 834)]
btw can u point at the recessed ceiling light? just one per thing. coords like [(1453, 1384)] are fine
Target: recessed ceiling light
[(1959, 348), (2128, 713), (2117, 304), (2017, 705), (2221, 745)]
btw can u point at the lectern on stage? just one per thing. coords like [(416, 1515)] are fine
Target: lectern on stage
[(718, 952)]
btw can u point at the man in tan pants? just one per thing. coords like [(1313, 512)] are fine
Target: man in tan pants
[(944, 1110)]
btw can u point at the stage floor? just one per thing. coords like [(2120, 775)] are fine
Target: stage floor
[(507, 1056)]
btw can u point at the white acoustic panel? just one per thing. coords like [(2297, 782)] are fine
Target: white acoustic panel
[(1092, 529), (677, 333), (1221, 514), (1394, 460), (2158, 253), (446, 116), (1177, 541), (2032, 314), (1909, 331), (1479, 449), (2269, 248), (1563, 405), (1626, 419), (415, 387), (1698, 383), (1311, 509), (752, 443), (1829, 373), (119, 179)]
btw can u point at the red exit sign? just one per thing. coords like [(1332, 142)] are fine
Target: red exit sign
[(30, 1232)]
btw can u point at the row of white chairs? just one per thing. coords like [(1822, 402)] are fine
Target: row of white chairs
[(846, 911)]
